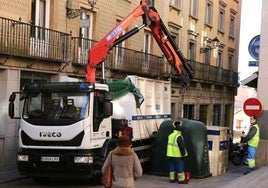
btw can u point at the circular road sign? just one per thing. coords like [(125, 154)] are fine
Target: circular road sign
[(252, 107), (254, 47)]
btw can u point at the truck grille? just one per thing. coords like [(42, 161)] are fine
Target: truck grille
[(76, 141)]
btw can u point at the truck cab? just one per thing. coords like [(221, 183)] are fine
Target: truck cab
[(59, 128)]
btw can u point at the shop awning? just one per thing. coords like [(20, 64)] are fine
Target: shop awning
[(251, 81)]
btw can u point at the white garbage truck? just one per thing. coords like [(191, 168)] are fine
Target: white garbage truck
[(68, 128)]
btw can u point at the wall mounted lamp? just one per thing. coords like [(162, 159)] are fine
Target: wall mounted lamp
[(73, 13), (215, 44)]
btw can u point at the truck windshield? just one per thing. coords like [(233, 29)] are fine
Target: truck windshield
[(55, 107)]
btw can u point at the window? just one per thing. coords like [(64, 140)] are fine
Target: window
[(191, 53), (86, 27), (203, 113), (239, 124), (231, 61), (221, 20), (209, 13), (175, 38), (174, 30), (119, 50), (173, 110), (194, 8), (207, 56), (39, 17), (216, 115), (219, 59), (175, 3), (188, 111), (54, 107), (146, 50), (231, 27), (151, 3), (232, 23), (32, 77), (39, 35), (98, 113), (227, 116)]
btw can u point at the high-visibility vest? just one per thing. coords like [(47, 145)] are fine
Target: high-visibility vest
[(256, 138), (173, 149)]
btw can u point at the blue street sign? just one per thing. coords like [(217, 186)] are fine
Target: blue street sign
[(253, 63), (254, 47)]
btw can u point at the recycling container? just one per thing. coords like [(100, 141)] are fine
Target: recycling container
[(218, 149), (195, 136)]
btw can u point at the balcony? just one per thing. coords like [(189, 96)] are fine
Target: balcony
[(25, 40), (29, 41), (119, 59), (210, 74)]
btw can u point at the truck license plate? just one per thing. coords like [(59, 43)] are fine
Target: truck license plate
[(50, 159)]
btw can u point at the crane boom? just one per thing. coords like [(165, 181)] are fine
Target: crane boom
[(151, 18)]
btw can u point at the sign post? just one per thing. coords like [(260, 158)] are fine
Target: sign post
[(254, 50), (252, 107), (254, 47)]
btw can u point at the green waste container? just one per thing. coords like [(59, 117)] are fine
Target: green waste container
[(195, 136)]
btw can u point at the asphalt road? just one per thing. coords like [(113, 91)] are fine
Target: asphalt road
[(146, 180)]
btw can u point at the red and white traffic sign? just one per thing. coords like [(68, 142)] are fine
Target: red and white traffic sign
[(252, 107)]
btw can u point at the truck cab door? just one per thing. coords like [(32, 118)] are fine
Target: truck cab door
[(103, 108)]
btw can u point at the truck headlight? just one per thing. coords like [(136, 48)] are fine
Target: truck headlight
[(84, 159), (23, 158)]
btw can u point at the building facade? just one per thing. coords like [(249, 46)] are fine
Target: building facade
[(262, 153), (42, 40)]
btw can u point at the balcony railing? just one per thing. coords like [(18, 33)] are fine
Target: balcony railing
[(119, 59), (26, 40), (212, 74)]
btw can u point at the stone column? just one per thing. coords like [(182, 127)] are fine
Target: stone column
[(9, 82), (262, 93)]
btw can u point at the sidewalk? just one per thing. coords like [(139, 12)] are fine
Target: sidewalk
[(222, 180), (9, 174), (256, 179), (233, 178)]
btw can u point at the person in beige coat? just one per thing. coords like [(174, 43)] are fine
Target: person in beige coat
[(126, 164)]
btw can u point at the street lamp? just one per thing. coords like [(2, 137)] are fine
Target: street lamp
[(92, 2), (73, 13), (215, 44)]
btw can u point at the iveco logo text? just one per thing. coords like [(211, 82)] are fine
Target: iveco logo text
[(50, 134)]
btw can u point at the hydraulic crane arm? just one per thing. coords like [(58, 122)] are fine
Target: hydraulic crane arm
[(150, 18)]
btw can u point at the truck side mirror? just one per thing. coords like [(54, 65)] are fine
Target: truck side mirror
[(11, 110), (11, 106), (12, 97)]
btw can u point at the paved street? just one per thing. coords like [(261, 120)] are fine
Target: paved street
[(231, 179), (233, 173)]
